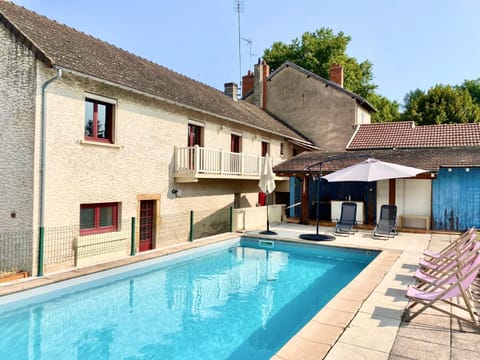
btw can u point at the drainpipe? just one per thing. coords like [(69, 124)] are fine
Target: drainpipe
[(43, 130)]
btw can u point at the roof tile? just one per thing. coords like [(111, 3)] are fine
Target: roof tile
[(65, 47), (405, 134)]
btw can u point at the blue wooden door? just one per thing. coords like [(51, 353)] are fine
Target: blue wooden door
[(456, 199)]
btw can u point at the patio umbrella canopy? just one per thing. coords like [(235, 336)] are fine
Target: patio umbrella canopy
[(373, 170), (267, 185), (267, 177)]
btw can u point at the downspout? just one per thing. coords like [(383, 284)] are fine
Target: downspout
[(43, 131)]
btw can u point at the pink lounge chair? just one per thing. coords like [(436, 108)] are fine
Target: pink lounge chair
[(449, 274), (465, 237), (448, 260), (444, 293)]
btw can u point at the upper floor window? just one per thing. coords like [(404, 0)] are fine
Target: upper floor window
[(195, 135), (235, 143), (98, 218), (265, 148), (99, 120), (282, 149)]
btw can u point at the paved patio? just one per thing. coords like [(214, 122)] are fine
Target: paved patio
[(364, 321)]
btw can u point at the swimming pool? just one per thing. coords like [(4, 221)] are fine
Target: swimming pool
[(236, 300)]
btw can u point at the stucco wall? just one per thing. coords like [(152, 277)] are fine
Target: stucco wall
[(139, 164), (324, 114), (17, 119), (412, 196)]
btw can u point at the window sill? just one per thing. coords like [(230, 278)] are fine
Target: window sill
[(101, 144)]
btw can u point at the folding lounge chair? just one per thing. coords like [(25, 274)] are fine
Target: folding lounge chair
[(455, 244), (448, 275), (447, 260), (444, 293), (387, 224), (347, 220)]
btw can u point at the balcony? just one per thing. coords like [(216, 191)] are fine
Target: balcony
[(195, 163)]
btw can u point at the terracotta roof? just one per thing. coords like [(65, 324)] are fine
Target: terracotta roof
[(64, 47), (428, 159), (405, 134), (360, 100)]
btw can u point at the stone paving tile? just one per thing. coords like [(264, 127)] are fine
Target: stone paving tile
[(334, 317), (343, 351), (462, 354), (420, 349), (371, 331), (300, 349)]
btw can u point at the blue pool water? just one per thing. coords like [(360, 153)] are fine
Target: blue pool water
[(239, 302)]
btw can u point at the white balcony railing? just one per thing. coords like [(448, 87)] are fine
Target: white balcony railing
[(192, 163)]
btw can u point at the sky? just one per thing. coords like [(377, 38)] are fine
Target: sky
[(412, 44)]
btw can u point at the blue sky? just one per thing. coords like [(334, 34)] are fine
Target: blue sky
[(411, 43)]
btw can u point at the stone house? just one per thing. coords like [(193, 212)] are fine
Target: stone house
[(94, 135), (321, 109)]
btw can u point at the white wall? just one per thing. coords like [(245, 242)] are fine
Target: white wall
[(412, 196)]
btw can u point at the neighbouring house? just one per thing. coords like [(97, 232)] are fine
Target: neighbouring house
[(321, 109), (93, 136), (446, 197)]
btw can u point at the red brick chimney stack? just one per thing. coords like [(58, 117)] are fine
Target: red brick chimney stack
[(247, 83), (336, 74)]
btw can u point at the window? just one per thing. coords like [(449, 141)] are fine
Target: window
[(282, 149), (98, 121), (98, 218), (235, 143), (265, 148), (195, 133)]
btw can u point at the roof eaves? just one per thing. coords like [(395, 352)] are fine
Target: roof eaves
[(24, 39), (172, 102)]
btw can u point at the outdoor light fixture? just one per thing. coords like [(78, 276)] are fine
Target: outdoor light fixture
[(467, 169), (449, 169)]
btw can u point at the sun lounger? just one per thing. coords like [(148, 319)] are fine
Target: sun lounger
[(442, 292), (347, 220), (387, 224)]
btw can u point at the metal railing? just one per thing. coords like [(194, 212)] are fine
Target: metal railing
[(61, 248), (200, 161)]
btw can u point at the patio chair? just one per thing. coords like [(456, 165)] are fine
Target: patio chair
[(444, 293), (446, 261), (449, 274), (387, 224), (454, 244), (347, 221)]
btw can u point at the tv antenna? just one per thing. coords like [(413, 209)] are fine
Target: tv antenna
[(249, 42), (238, 7)]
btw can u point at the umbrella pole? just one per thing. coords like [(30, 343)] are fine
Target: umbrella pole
[(268, 219), (268, 232)]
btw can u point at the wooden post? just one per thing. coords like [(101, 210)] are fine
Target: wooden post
[(391, 192), (304, 200)]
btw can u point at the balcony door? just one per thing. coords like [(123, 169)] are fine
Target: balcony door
[(235, 149), (195, 133)]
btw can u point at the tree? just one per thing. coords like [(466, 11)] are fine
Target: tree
[(317, 52), (473, 88), (387, 110), (442, 104)]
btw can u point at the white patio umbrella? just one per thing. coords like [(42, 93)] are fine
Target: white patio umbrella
[(372, 170), (267, 185)]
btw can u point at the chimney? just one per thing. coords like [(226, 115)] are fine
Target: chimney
[(261, 73), (336, 74), (231, 90), (247, 83)]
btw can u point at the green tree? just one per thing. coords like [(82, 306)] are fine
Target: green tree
[(441, 104), (473, 88), (387, 110), (317, 52), (410, 101)]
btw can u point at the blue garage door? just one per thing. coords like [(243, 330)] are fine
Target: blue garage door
[(456, 199)]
